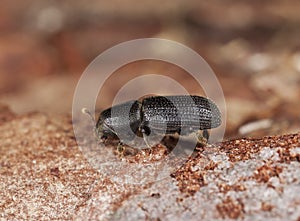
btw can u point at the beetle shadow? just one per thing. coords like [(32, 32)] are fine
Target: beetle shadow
[(175, 147), (181, 148)]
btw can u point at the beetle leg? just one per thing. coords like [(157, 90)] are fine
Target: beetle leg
[(145, 132), (205, 134), (202, 137), (103, 138), (120, 149), (146, 140)]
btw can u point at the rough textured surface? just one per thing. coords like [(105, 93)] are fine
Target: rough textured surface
[(43, 175)]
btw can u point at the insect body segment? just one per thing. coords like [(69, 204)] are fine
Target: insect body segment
[(181, 114)]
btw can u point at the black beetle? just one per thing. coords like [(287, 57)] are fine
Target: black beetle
[(181, 114)]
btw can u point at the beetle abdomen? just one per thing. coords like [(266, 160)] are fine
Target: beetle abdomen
[(182, 113)]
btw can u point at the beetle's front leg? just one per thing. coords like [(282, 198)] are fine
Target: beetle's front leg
[(145, 131), (123, 150), (202, 136), (100, 136), (120, 149)]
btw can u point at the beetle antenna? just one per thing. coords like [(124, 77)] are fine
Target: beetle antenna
[(87, 112)]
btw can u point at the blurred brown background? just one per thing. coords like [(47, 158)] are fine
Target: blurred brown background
[(252, 46)]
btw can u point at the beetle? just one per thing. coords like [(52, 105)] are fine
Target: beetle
[(168, 115)]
